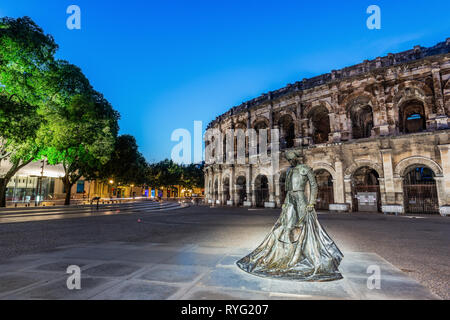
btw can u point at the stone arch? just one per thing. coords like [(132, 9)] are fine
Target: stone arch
[(287, 125), (315, 104), (357, 96), (360, 108), (226, 187), (413, 90), (405, 164), (241, 188), (259, 120), (319, 123), (261, 189), (363, 163), (324, 166)]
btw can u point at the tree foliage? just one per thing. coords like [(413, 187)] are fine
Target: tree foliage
[(126, 165), (169, 174)]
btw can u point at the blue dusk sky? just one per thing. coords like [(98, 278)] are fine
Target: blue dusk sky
[(164, 65)]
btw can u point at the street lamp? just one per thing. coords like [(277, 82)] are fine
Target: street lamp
[(111, 182)]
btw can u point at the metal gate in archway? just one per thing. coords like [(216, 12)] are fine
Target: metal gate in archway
[(420, 192), (325, 197), (364, 196), (262, 191)]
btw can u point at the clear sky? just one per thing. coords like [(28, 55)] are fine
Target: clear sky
[(165, 64)]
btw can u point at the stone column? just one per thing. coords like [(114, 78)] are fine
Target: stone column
[(207, 185), (437, 84), (441, 119), (338, 184), (277, 191), (220, 187), (233, 197), (249, 190), (271, 203), (444, 185), (388, 168), (382, 123)]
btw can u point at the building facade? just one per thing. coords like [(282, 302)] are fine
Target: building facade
[(41, 183), (377, 135)]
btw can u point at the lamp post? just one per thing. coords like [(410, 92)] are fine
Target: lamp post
[(111, 182)]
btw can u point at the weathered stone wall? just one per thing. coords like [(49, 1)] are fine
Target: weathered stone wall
[(390, 115)]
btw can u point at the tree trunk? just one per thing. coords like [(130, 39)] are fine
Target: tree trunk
[(5, 180), (3, 184), (68, 187)]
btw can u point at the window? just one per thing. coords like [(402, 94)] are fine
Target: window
[(80, 187)]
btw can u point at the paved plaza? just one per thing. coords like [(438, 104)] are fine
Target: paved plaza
[(191, 254)]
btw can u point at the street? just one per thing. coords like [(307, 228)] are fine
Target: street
[(418, 246)]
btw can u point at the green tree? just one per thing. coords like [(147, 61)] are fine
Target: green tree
[(79, 135), (25, 56), (193, 176), (164, 174), (126, 165), (18, 126)]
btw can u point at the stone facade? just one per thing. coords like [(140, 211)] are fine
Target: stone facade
[(377, 134)]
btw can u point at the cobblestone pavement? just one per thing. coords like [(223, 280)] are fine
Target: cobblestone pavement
[(190, 254)]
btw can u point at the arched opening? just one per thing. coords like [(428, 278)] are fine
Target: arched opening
[(412, 117), (283, 187), (366, 190), (287, 132), (226, 189), (362, 121), (210, 191), (319, 124), (325, 196), (240, 133), (261, 125), (261, 190), (216, 191), (224, 148), (420, 191), (241, 190)]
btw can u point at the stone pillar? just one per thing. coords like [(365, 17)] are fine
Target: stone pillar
[(207, 195), (277, 191), (444, 185), (271, 203), (220, 187), (338, 184), (388, 168), (441, 119), (233, 197), (348, 192), (437, 84), (249, 190)]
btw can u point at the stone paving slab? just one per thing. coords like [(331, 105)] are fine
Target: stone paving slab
[(128, 271)]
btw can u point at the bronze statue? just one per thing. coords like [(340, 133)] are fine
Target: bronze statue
[(297, 248)]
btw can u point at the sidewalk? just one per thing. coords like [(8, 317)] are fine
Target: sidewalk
[(119, 270)]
